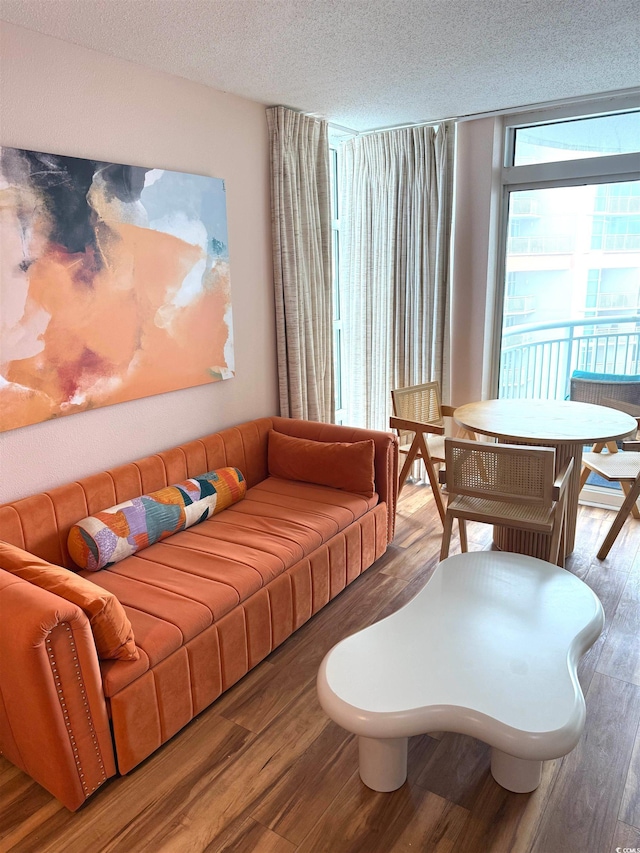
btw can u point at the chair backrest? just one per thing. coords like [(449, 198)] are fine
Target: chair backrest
[(503, 472), (602, 388), (418, 403)]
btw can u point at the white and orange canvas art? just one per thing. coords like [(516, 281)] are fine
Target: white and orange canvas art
[(114, 284)]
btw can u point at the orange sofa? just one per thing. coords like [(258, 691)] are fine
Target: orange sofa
[(206, 605)]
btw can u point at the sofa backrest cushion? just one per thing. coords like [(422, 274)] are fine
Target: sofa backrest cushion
[(342, 465), (110, 625), (119, 531)]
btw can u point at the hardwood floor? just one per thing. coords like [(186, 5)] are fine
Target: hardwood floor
[(264, 770)]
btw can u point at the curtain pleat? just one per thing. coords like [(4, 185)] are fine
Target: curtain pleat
[(394, 272), (301, 217)]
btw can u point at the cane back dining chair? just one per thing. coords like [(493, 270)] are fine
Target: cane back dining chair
[(622, 467), (506, 485), (418, 416), (615, 392)]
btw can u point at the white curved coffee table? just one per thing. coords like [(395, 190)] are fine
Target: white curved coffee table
[(488, 648)]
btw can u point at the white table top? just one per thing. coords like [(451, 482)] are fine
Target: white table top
[(548, 421), (488, 648)]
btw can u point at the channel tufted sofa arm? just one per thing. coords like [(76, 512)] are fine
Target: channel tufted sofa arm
[(53, 717)]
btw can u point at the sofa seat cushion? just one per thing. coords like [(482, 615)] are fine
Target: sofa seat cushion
[(114, 678), (176, 588), (344, 507)]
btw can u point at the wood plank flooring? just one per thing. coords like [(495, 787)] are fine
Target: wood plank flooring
[(264, 770)]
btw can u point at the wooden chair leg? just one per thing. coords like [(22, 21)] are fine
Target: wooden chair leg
[(626, 488), (462, 432), (446, 536), (584, 476), (598, 447), (462, 525), (620, 519), (563, 539), (431, 474), (411, 458), (557, 538)]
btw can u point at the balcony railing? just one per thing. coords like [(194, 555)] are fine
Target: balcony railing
[(617, 242), (519, 305), (523, 206), (617, 301), (551, 245), (619, 204), (537, 360)]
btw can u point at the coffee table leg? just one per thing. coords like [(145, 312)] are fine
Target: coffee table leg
[(515, 774), (383, 762)]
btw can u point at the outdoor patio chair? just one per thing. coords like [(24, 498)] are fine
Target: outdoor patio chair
[(508, 485), (606, 389), (588, 387)]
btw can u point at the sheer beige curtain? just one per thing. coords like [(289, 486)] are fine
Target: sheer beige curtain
[(394, 275), (300, 210)]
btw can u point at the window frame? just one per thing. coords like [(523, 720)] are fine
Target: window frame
[(613, 168)]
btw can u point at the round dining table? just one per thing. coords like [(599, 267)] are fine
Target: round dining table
[(566, 426)]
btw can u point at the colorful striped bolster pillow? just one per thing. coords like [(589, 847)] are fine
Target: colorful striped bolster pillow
[(118, 532)]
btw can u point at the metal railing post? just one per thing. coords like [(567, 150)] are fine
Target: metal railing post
[(567, 371)]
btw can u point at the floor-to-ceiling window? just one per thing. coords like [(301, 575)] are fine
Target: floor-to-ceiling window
[(570, 277)]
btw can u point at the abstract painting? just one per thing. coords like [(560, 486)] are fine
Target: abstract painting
[(114, 284)]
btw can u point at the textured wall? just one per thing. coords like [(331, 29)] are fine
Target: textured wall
[(57, 97)]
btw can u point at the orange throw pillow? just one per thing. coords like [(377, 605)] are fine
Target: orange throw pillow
[(342, 465), (110, 625)]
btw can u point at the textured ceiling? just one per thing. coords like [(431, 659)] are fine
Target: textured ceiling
[(364, 64)]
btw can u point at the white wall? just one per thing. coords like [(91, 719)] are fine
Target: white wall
[(57, 97)]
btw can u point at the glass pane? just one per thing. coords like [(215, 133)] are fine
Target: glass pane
[(335, 272), (572, 287), (337, 366), (333, 174), (578, 139)]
